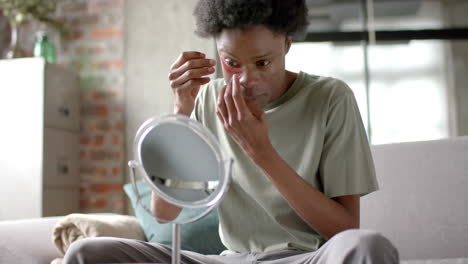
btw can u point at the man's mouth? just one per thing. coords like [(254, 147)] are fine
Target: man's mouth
[(254, 99)]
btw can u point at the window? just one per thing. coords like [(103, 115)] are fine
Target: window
[(405, 87)]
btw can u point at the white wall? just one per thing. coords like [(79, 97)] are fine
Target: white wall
[(156, 32), (458, 50)]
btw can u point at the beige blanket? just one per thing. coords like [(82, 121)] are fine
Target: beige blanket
[(77, 226)]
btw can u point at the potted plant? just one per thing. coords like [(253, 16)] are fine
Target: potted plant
[(19, 12)]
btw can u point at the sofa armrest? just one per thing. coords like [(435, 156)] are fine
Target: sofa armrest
[(28, 241)]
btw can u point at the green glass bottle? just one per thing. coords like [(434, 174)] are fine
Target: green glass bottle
[(44, 48)]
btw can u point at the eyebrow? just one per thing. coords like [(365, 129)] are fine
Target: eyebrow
[(254, 57), (263, 55)]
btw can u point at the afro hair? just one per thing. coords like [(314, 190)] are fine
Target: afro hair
[(287, 17)]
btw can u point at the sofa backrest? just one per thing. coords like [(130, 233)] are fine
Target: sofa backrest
[(422, 204)]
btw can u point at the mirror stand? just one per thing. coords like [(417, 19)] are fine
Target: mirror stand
[(190, 172), (175, 243), (176, 240)]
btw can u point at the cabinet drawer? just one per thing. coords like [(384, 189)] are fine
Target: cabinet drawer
[(60, 201), (61, 157), (62, 99)]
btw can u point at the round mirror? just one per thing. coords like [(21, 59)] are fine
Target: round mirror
[(181, 161)]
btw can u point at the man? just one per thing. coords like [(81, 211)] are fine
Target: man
[(302, 159)]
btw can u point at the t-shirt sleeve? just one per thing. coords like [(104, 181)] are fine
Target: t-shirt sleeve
[(346, 164), (197, 113)]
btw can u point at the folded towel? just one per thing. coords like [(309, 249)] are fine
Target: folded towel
[(77, 226), (57, 261)]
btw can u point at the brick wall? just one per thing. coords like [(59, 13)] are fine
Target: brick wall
[(4, 38), (95, 49)]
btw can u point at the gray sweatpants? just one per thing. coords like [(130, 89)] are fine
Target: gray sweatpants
[(350, 246)]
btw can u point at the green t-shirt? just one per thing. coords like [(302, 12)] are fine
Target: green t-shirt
[(317, 129)]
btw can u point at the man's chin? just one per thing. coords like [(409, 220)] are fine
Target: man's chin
[(256, 102), (252, 101)]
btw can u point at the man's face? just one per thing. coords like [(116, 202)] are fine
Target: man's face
[(258, 55)]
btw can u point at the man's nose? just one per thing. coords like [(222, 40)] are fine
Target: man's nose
[(248, 78)]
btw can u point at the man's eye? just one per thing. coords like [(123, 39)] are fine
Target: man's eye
[(263, 63), (232, 63)]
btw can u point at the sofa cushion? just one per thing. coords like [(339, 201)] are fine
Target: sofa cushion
[(28, 241), (200, 236), (422, 203), (437, 261)]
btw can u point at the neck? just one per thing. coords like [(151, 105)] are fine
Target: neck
[(288, 80)]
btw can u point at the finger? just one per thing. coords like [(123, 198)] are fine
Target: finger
[(185, 56), (238, 99), (222, 106), (191, 74), (231, 108), (192, 64), (192, 83), (256, 111), (221, 118)]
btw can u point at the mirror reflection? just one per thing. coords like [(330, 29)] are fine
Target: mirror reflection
[(179, 162)]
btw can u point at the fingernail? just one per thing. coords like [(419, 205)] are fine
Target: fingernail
[(212, 62)]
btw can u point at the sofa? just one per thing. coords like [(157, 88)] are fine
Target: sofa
[(422, 207)]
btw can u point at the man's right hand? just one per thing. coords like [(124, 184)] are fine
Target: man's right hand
[(187, 74)]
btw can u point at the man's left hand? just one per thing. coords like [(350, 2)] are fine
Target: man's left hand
[(244, 122)]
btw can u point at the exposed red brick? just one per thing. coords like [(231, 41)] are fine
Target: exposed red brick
[(102, 5), (93, 203), (117, 204), (109, 65), (101, 95), (74, 7), (91, 172), (107, 33), (119, 108), (101, 155), (76, 66), (85, 140), (107, 187), (83, 189), (84, 203), (98, 140), (116, 140), (116, 171), (119, 126), (88, 50), (113, 18), (100, 203), (100, 110), (75, 35), (94, 49), (93, 81), (86, 170), (102, 125), (27, 26), (84, 20), (101, 171)]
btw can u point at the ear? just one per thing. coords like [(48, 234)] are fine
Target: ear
[(288, 44)]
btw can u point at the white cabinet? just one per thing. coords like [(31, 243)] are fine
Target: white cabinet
[(39, 139)]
